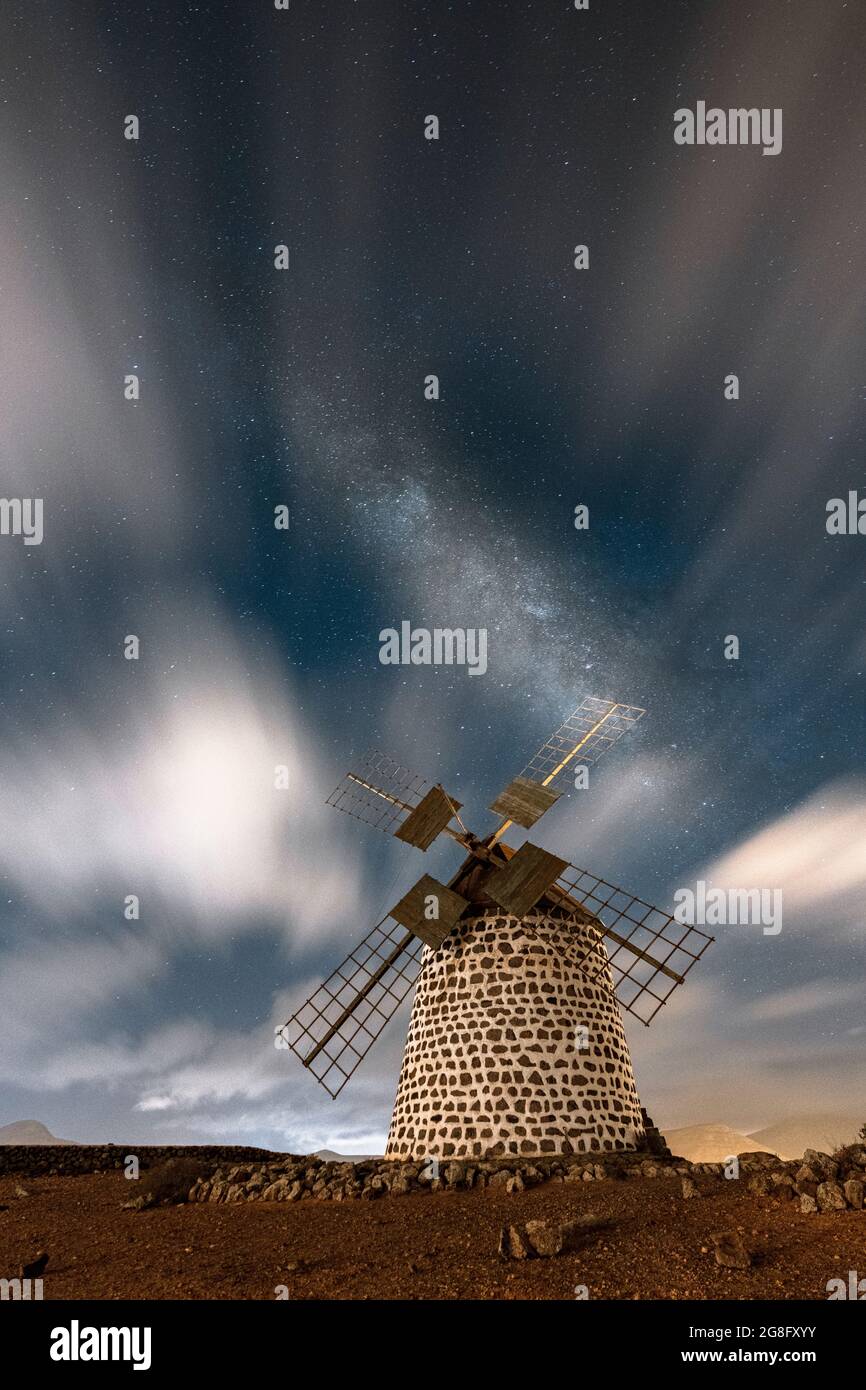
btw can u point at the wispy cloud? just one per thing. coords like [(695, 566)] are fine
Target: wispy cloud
[(816, 854), (178, 803)]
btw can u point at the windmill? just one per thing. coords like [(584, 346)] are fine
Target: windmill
[(523, 961)]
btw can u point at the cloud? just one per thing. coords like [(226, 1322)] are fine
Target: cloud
[(177, 802), (816, 854), (798, 1046), (819, 997), (48, 992)]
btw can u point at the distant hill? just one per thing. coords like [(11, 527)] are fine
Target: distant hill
[(328, 1156), (712, 1143), (29, 1132), (823, 1132)]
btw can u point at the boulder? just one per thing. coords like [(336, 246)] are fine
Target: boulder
[(545, 1237), (822, 1164), (731, 1250), (853, 1190), (830, 1197), (783, 1185), (454, 1174), (512, 1244), (759, 1183)]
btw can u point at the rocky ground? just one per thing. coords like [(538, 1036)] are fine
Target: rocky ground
[(620, 1228)]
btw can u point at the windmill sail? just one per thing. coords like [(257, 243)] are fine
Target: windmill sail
[(587, 734), (334, 1030), (649, 953), (593, 728), (396, 801)]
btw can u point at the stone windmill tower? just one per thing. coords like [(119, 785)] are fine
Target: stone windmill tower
[(516, 1044)]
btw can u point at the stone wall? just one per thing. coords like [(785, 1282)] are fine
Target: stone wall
[(815, 1183), (512, 1050), (70, 1159)]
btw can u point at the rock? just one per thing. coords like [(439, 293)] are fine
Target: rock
[(806, 1174), (815, 1159), (823, 1166), (731, 1251), (276, 1192), (512, 1245), (749, 1162), (36, 1268), (137, 1204), (545, 1237), (759, 1183), (21, 1191), (807, 1203), (783, 1184), (500, 1179), (454, 1174), (514, 1184), (689, 1188), (831, 1197), (853, 1190)]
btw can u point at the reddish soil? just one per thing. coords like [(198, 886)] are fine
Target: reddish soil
[(439, 1246)]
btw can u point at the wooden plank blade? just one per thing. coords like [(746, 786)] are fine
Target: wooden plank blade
[(429, 895), (524, 802), (525, 878), (428, 819)]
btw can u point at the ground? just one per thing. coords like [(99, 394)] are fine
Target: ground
[(424, 1246)]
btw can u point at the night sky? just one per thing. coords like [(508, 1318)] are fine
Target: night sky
[(305, 388)]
